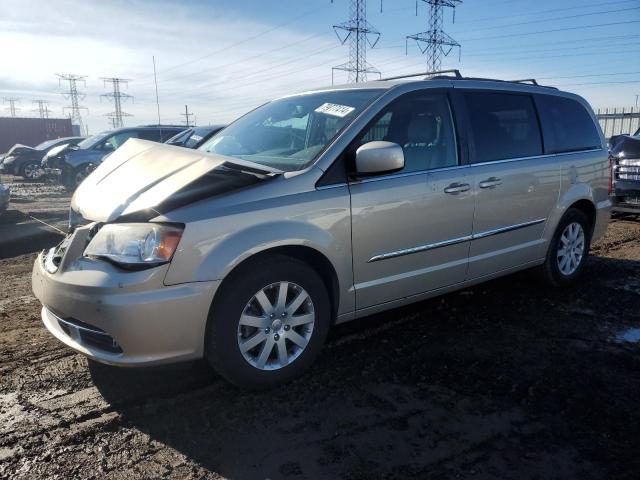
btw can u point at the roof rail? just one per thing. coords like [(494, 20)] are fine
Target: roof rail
[(424, 74), (525, 80)]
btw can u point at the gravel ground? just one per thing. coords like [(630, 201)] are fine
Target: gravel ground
[(505, 380)]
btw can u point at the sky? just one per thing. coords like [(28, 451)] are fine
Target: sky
[(224, 57)]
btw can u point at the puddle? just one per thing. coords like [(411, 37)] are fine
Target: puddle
[(631, 335)]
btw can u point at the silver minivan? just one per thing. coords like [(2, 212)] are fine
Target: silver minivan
[(319, 208)]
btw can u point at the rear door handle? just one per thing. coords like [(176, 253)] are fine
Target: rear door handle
[(456, 188), (491, 182)]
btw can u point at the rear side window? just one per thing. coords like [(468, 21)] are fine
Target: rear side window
[(503, 126), (566, 125)]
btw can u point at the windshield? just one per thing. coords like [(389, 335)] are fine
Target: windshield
[(91, 141), (289, 133), (46, 144)]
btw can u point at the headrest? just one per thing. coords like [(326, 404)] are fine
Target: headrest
[(422, 128)]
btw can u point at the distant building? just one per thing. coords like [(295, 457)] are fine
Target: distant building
[(32, 131)]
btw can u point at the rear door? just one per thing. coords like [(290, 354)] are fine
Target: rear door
[(516, 186), (411, 229)]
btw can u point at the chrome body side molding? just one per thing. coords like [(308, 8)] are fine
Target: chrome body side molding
[(453, 241)]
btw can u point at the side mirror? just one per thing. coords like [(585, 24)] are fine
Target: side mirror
[(379, 157)]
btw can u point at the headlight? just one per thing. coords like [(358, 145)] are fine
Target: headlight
[(135, 243)]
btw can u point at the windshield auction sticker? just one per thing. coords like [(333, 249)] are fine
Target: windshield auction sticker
[(334, 109)]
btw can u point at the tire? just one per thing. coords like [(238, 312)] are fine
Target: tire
[(556, 271), (30, 171), (77, 176), (239, 297)]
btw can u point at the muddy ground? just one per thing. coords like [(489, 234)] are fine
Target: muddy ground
[(505, 380)]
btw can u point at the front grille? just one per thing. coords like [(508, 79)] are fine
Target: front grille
[(88, 335), (627, 169)]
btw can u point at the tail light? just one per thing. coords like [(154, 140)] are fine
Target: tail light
[(612, 162)]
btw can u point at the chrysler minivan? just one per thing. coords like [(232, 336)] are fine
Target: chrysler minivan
[(319, 208)]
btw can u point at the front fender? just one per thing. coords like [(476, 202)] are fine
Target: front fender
[(211, 248), (234, 249), (75, 159)]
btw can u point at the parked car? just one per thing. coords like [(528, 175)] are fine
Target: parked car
[(625, 176), (317, 209), (72, 165), (25, 161), (195, 136), (5, 194)]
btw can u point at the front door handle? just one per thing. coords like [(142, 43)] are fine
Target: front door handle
[(456, 188), (491, 182)]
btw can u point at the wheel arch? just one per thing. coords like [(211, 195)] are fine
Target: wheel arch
[(588, 208), (309, 255)]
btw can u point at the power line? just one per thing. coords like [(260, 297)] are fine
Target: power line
[(566, 17), (554, 30), (434, 42), (12, 105), (74, 96), (360, 34), (245, 40), (42, 109), (539, 12), (117, 96)]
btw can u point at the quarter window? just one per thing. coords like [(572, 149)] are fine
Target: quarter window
[(421, 124), (566, 124), (503, 126)]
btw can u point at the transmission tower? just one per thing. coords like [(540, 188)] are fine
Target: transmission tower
[(434, 42), (74, 96), (12, 105), (42, 109), (361, 35), (117, 96), (187, 114)]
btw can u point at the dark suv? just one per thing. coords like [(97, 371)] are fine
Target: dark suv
[(25, 161), (72, 164), (625, 173)]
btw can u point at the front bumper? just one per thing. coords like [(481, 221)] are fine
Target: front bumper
[(121, 317)]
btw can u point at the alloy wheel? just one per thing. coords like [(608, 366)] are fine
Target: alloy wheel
[(31, 171), (570, 249), (276, 325)]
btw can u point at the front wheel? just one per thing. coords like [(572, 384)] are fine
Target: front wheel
[(78, 175), (268, 322), (569, 249), (30, 171)]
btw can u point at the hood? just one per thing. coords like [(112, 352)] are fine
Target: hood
[(143, 179), (626, 146), (56, 150), (19, 148)]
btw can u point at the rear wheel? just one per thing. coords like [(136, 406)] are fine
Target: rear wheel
[(569, 249), (268, 322)]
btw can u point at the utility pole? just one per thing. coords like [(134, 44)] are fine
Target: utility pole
[(186, 116), (117, 96), (361, 35), (42, 109), (74, 96), (637, 96), (434, 42), (12, 105)]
